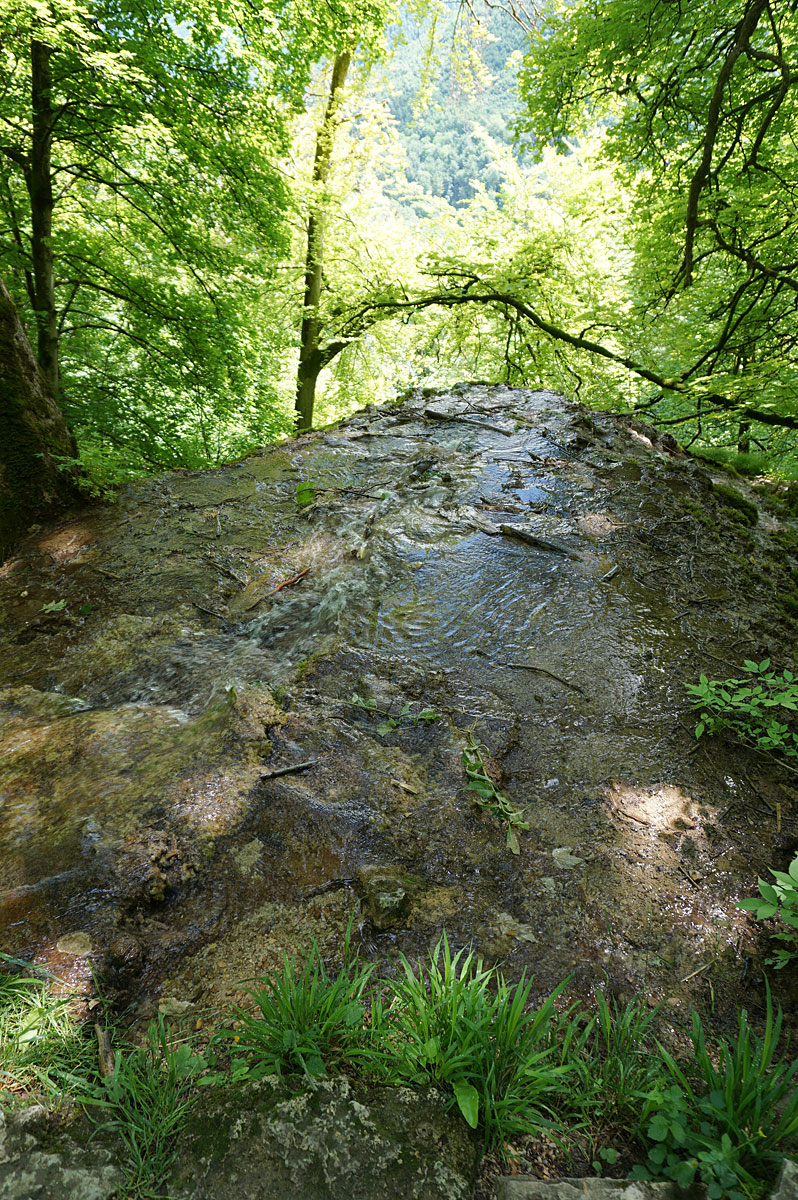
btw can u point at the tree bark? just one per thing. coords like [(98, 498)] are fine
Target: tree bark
[(311, 360), (34, 434), (40, 188)]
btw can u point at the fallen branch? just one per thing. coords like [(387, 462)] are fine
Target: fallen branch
[(531, 539), (291, 770), (542, 671)]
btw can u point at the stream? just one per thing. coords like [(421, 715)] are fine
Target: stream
[(189, 792)]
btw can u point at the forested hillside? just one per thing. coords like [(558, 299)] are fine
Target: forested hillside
[(193, 201)]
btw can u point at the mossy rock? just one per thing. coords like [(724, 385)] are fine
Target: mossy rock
[(731, 498), (698, 512), (337, 1141)]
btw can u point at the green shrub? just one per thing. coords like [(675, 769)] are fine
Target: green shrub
[(779, 899), (726, 1117), (43, 1048), (145, 1101), (459, 1025), (613, 1060), (748, 709), (308, 1021)]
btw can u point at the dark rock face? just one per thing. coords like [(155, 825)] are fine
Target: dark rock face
[(339, 1141)]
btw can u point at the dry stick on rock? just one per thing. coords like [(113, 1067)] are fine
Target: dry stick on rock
[(516, 666), (286, 583), (105, 1053), (431, 414), (290, 770), (210, 611)]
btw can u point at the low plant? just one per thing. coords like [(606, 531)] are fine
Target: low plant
[(756, 710), (307, 1020), (391, 721), (145, 1101), (491, 798), (461, 1026), (43, 1048), (724, 1118), (779, 899), (614, 1062)]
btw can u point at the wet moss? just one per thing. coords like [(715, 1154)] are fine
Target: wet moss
[(787, 538), (698, 512), (732, 499)]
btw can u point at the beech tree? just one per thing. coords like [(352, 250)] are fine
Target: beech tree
[(312, 355), (700, 105), (35, 438), (144, 209)]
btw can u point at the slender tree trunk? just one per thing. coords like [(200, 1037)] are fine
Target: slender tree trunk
[(34, 435), (744, 437), (40, 187), (311, 360)]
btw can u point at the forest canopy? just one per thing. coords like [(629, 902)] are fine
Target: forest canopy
[(600, 199)]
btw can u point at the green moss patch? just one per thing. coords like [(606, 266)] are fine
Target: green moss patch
[(731, 498)]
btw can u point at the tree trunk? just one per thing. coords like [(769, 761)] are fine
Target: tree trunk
[(31, 485), (744, 437), (311, 360), (40, 188)]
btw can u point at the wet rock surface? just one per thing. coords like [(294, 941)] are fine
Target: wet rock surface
[(339, 1141), (189, 791)]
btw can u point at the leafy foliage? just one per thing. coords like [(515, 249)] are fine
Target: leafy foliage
[(491, 798), (42, 1047), (308, 1021), (779, 899), (612, 1054), (146, 1101), (426, 715), (697, 104), (725, 1116), (460, 1025), (748, 709)]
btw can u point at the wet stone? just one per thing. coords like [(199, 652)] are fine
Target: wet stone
[(153, 797), (386, 898)]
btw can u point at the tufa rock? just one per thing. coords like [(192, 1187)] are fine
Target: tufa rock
[(336, 1141)]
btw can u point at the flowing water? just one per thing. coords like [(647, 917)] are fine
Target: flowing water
[(543, 579)]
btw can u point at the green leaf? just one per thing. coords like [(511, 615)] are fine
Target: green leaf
[(431, 1049), (467, 1098), (54, 606), (305, 493), (683, 1174), (353, 1014), (512, 841)]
